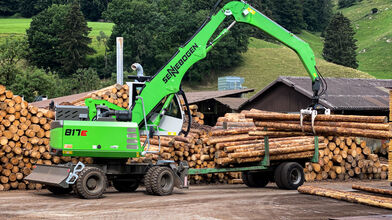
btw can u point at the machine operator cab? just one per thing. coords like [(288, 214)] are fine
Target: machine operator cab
[(170, 118)]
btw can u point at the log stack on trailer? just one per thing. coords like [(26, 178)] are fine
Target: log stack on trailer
[(24, 140)]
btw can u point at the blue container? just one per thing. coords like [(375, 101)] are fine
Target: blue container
[(230, 83)]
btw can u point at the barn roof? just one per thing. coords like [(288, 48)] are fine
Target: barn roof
[(193, 97), (342, 93)]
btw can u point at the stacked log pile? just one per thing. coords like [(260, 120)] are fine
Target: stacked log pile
[(193, 149), (339, 157), (24, 141), (344, 158), (327, 125), (116, 94)]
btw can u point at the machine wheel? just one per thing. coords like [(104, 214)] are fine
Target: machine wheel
[(278, 175), (126, 186), (255, 179), (162, 181), (91, 183), (147, 179), (292, 175), (59, 190)]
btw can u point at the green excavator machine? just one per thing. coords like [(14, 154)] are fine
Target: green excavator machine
[(111, 134)]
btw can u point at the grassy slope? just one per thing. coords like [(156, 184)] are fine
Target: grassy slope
[(18, 26), (264, 62), (373, 32)]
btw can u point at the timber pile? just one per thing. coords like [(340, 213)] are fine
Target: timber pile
[(197, 117), (377, 201), (327, 125), (339, 157), (116, 94), (243, 142), (344, 158), (193, 149), (24, 141)]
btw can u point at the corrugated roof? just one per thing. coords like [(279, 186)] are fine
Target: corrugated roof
[(342, 93), (59, 100), (233, 103), (193, 97)]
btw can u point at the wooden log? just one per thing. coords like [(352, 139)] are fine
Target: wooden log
[(328, 130), (376, 201), (336, 118), (230, 131)]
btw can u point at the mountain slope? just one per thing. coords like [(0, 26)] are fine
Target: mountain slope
[(374, 35), (264, 62)]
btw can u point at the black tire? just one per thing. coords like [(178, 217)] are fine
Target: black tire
[(278, 175), (59, 190), (147, 179), (126, 186), (91, 183), (255, 179), (162, 181), (292, 175)]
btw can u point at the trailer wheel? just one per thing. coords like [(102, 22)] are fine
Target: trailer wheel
[(292, 175), (162, 181), (255, 179), (278, 175), (147, 179), (59, 190), (126, 186), (91, 183)]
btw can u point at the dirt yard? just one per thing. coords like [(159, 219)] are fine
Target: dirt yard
[(199, 202)]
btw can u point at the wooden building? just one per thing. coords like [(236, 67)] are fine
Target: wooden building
[(344, 96)]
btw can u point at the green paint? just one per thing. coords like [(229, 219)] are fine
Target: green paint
[(102, 139)]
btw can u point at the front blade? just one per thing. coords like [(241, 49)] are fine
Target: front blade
[(50, 175)]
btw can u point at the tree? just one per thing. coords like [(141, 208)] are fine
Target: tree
[(32, 82), (317, 14), (12, 51), (92, 9), (74, 40), (153, 31), (102, 38), (339, 45), (346, 3), (85, 80), (58, 39), (289, 14), (43, 39), (8, 7)]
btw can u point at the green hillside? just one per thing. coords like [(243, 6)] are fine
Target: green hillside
[(264, 62), (374, 35), (18, 26)]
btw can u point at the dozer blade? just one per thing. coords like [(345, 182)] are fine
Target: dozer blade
[(50, 175)]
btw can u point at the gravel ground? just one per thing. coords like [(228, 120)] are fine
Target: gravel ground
[(199, 202)]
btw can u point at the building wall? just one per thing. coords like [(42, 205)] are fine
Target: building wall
[(280, 98), (212, 110)]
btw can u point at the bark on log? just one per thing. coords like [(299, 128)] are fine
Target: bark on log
[(376, 201), (336, 118)]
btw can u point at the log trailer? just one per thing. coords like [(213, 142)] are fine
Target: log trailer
[(110, 134)]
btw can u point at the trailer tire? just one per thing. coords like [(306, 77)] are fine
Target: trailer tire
[(126, 186), (292, 175), (147, 179), (162, 181), (255, 179), (91, 184), (278, 175), (59, 190)]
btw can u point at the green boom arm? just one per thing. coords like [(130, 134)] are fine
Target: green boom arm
[(168, 79)]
